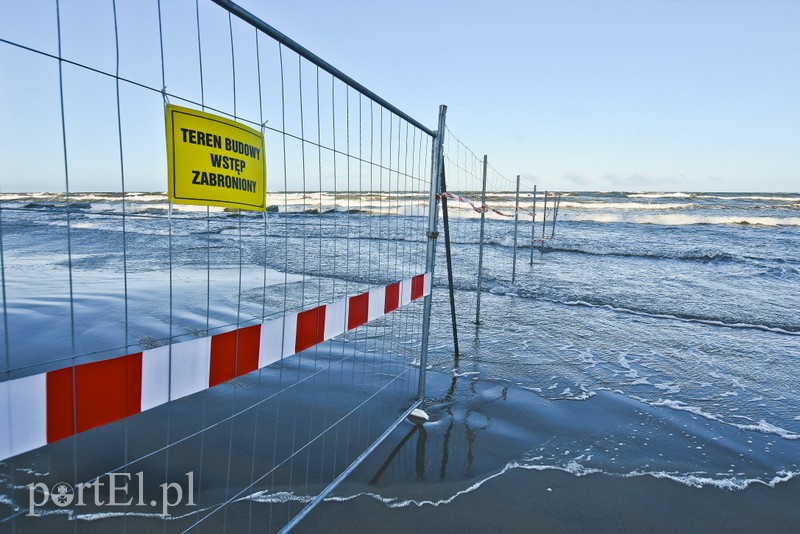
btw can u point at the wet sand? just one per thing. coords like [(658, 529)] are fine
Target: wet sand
[(555, 501), (493, 457), (463, 471)]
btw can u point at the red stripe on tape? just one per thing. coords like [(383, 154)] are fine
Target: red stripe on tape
[(104, 391), (234, 354), (249, 345), (60, 408), (358, 310), (417, 286), (108, 390), (310, 328), (392, 301)]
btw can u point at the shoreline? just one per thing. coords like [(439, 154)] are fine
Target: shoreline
[(555, 501)]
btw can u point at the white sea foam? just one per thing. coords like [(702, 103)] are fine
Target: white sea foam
[(279, 497), (755, 197), (762, 426), (684, 319), (675, 219), (700, 480), (716, 197), (668, 387), (625, 364), (147, 197), (110, 515), (583, 395), (768, 428), (6, 501), (642, 206), (573, 467), (682, 406), (30, 471), (660, 195)]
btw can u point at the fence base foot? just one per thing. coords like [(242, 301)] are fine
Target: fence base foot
[(418, 416)]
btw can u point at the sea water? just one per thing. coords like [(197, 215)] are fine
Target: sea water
[(664, 325), (650, 334)]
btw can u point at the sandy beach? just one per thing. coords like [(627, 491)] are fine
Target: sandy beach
[(555, 501)]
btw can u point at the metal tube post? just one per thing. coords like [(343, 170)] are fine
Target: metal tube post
[(557, 202), (480, 246), (516, 220), (437, 161), (533, 222), (544, 219), (449, 257)]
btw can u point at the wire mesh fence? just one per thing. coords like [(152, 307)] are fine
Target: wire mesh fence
[(495, 228), (224, 366), (478, 217)]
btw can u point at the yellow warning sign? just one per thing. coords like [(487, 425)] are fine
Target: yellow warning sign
[(214, 161)]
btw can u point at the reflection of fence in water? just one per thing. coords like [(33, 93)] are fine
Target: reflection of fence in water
[(192, 297)]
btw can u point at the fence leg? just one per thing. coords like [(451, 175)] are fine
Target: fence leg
[(449, 257), (480, 245), (437, 164), (555, 215), (533, 222), (516, 220), (544, 220)]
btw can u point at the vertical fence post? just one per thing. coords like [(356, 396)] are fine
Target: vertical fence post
[(533, 222), (437, 163), (544, 219), (449, 257), (516, 220), (480, 245), (555, 215)]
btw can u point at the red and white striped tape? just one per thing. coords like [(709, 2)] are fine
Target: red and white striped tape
[(483, 208), (40, 409)]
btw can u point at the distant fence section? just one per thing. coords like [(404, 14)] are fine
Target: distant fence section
[(202, 367), (488, 208)]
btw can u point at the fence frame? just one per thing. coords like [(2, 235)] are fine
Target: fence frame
[(437, 159), (436, 170), (480, 243), (246, 16)]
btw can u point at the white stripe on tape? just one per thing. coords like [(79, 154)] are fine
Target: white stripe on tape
[(289, 334), (405, 291), (155, 377), (27, 413), (5, 420), (191, 361), (271, 339), (335, 318), (377, 301)]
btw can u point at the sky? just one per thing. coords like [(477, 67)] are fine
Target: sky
[(658, 95)]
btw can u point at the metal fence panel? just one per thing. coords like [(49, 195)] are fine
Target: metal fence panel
[(225, 366)]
